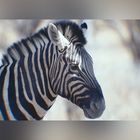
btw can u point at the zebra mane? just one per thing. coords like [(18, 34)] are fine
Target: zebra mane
[(71, 30)]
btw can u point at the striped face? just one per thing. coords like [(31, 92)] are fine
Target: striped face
[(74, 76)]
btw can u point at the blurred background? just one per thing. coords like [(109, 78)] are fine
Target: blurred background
[(115, 48)]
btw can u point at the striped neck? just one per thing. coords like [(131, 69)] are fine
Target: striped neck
[(26, 90)]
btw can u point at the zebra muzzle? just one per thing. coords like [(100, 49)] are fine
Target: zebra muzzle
[(96, 109)]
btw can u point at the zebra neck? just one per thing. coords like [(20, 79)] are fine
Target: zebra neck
[(26, 89)]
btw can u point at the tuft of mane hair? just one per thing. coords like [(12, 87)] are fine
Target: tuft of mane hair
[(68, 28), (71, 30)]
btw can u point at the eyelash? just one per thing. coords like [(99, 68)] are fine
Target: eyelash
[(63, 50)]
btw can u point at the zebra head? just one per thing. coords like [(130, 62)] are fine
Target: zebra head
[(73, 75)]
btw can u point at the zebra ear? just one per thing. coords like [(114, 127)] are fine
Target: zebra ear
[(53, 33), (57, 37), (84, 27)]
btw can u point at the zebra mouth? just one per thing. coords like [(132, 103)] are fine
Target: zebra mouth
[(89, 113), (95, 110)]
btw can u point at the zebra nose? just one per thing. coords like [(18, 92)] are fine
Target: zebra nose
[(98, 107)]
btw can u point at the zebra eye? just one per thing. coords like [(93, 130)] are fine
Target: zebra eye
[(63, 49), (74, 66)]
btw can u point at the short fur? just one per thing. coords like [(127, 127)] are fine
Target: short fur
[(73, 28)]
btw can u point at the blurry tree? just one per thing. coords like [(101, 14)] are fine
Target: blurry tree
[(27, 27), (13, 30), (131, 39), (134, 42)]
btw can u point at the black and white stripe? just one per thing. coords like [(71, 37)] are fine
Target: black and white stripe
[(37, 69)]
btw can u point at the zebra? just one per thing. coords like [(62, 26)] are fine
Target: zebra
[(48, 63)]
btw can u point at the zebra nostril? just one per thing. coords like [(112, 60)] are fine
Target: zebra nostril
[(94, 107), (98, 106)]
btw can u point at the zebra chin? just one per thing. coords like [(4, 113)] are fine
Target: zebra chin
[(95, 110)]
